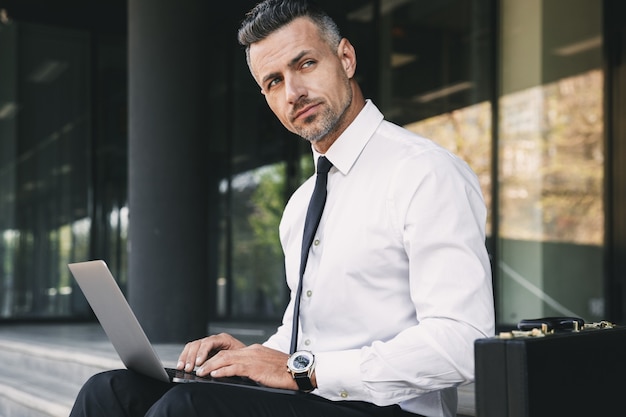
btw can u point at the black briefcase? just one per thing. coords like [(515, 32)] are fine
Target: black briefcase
[(551, 372)]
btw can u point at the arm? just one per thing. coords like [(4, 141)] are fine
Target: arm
[(441, 223)]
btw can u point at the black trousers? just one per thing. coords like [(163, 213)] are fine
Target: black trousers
[(123, 393)]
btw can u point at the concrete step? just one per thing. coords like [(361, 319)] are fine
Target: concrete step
[(42, 381), (43, 370), (30, 393)]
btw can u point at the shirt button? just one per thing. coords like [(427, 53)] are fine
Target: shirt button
[(316, 242), (343, 394), (309, 293), (307, 342)]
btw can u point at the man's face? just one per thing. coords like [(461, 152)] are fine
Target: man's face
[(305, 83)]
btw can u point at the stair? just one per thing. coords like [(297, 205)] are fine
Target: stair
[(44, 366), (27, 387)]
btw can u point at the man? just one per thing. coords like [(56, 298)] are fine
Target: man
[(397, 284)]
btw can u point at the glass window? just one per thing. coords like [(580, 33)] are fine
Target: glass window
[(62, 194), (257, 273), (44, 168), (550, 154), (8, 153)]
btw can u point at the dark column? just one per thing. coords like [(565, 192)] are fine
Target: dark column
[(168, 170), (614, 44)]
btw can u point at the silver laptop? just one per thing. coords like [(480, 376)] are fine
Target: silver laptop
[(126, 334)]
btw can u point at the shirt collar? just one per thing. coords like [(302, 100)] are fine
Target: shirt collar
[(346, 149)]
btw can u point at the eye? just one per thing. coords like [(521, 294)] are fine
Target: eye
[(308, 64), (273, 82)]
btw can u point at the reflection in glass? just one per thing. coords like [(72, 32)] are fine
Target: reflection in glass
[(551, 157), (257, 275), (48, 205)]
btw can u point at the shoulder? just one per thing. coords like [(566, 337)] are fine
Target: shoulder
[(403, 146)]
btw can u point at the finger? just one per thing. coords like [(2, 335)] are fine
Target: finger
[(223, 363), (211, 345), (185, 360), (207, 348), (198, 351)]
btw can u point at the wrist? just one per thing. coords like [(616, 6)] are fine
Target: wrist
[(301, 365)]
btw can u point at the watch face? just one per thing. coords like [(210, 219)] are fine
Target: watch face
[(301, 362)]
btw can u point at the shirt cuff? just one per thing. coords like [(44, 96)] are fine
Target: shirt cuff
[(338, 375)]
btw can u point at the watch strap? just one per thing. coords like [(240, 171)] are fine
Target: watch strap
[(304, 382)]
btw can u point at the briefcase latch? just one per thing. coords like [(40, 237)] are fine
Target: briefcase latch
[(550, 325)]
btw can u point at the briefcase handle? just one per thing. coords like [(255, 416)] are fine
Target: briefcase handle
[(552, 324)]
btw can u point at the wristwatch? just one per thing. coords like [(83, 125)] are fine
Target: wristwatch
[(301, 365)]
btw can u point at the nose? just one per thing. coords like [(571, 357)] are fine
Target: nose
[(294, 89)]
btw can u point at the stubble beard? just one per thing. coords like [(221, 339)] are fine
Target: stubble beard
[(319, 126)]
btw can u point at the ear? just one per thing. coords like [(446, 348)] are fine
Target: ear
[(347, 56)]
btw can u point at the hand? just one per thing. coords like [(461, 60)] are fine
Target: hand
[(197, 352), (222, 355)]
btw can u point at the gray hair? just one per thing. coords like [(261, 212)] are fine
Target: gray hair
[(270, 15)]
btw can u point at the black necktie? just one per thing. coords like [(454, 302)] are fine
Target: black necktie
[(313, 216)]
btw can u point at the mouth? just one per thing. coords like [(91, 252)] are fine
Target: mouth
[(305, 112)]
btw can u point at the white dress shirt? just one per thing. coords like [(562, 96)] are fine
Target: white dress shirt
[(398, 281)]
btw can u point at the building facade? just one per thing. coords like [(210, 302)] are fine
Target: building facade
[(132, 131)]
